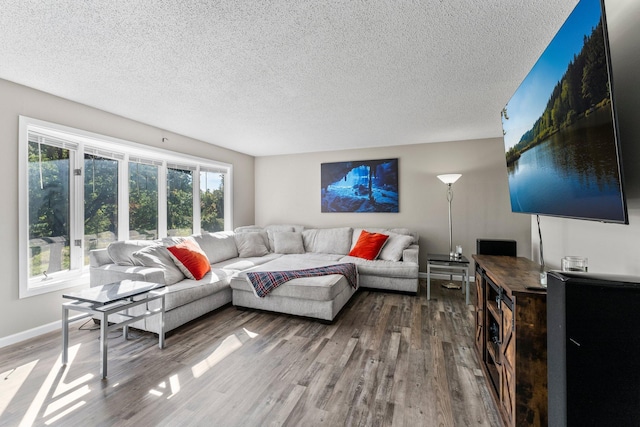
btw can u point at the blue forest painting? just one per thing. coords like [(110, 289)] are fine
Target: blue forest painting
[(360, 186)]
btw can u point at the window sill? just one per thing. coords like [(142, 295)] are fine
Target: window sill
[(68, 281)]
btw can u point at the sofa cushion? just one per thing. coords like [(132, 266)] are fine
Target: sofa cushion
[(158, 256), (395, 245), (333, 258), (189, 290), (250, 245), (240, 264), (285, 227), (384, 268), (248, 229), (369, 245), (190, 259), (288, 242), (121, 252), (328, 240), (217, 246)]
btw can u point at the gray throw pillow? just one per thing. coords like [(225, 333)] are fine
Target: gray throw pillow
[(250, 245), (218, 246), (174, 240), (121, 252), (158, 257), (270, 229), (395, 244), (288, 242), (328, 240)]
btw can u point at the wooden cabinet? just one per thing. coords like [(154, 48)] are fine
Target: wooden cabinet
[(511, 337)]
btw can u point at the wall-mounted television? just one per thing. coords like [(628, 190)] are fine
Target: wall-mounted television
[(560, 130)]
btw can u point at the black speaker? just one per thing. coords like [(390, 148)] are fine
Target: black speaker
[(593, 348), (496, 247)]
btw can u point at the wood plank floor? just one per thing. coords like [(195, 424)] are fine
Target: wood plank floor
[(388, 359)]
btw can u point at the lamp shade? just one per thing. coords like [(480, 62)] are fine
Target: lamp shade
[(449, 178)]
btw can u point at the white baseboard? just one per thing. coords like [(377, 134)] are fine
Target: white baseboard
[(34, 332)]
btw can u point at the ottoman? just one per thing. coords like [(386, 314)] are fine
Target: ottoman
[(320, 297)]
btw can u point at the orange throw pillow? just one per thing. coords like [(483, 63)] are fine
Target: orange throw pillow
[(190, 259), (368, 245)]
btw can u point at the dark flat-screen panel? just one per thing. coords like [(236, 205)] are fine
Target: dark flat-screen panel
[(560, 131), (496, 247), (593, 343)]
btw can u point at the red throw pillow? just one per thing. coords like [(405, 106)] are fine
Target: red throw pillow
[(368, 245), (190, 259)]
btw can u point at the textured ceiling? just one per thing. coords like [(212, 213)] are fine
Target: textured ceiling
[(277, 77)]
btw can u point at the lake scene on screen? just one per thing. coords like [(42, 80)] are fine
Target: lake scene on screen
[(559, 130)]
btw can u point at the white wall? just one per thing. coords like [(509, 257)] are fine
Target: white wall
[(611, 248), (18, 315), (288, 191)]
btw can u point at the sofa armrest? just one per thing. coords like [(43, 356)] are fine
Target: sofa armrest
[(411, 254), (99, 257), (111, 273)]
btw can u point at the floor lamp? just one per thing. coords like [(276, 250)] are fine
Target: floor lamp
[(449, 179)]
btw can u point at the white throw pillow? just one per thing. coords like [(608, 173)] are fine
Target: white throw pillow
[(396, 243), (159, 257), (288, 242), (250, 245)]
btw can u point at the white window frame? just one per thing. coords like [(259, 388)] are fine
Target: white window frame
[(121, 150)]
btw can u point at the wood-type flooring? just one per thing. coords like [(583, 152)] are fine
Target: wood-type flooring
[(387, 360)]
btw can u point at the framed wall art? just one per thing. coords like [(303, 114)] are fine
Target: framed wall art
[(360, 186)]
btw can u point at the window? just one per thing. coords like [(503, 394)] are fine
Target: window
[(100, 201), (81, 191), (49, 163), (179, 201), (211, 199), (143, 199)]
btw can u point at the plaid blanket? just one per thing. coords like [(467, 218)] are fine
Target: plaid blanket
[(265, 281)]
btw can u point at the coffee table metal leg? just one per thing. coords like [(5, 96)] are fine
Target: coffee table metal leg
[(161, 334), (65, 334), (103, 345), (466, 278)]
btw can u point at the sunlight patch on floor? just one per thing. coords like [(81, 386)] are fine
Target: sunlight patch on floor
[(249, 333), (11, 381), (174, 387), (57, 405), (68, 411), (54, 386), (228, 346)]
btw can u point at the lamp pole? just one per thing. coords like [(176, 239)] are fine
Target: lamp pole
[(449, 199)]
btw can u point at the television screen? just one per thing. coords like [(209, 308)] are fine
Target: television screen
[(560, 130)]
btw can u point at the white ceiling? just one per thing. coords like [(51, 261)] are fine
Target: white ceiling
[(285, 76)]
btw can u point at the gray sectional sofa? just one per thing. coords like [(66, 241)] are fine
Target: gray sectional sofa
[(272, 248)]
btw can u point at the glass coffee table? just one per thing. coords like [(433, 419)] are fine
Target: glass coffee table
[(103, 301), (450, 265)]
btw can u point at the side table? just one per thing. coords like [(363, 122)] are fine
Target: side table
[(452, 266), (103, 301)]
